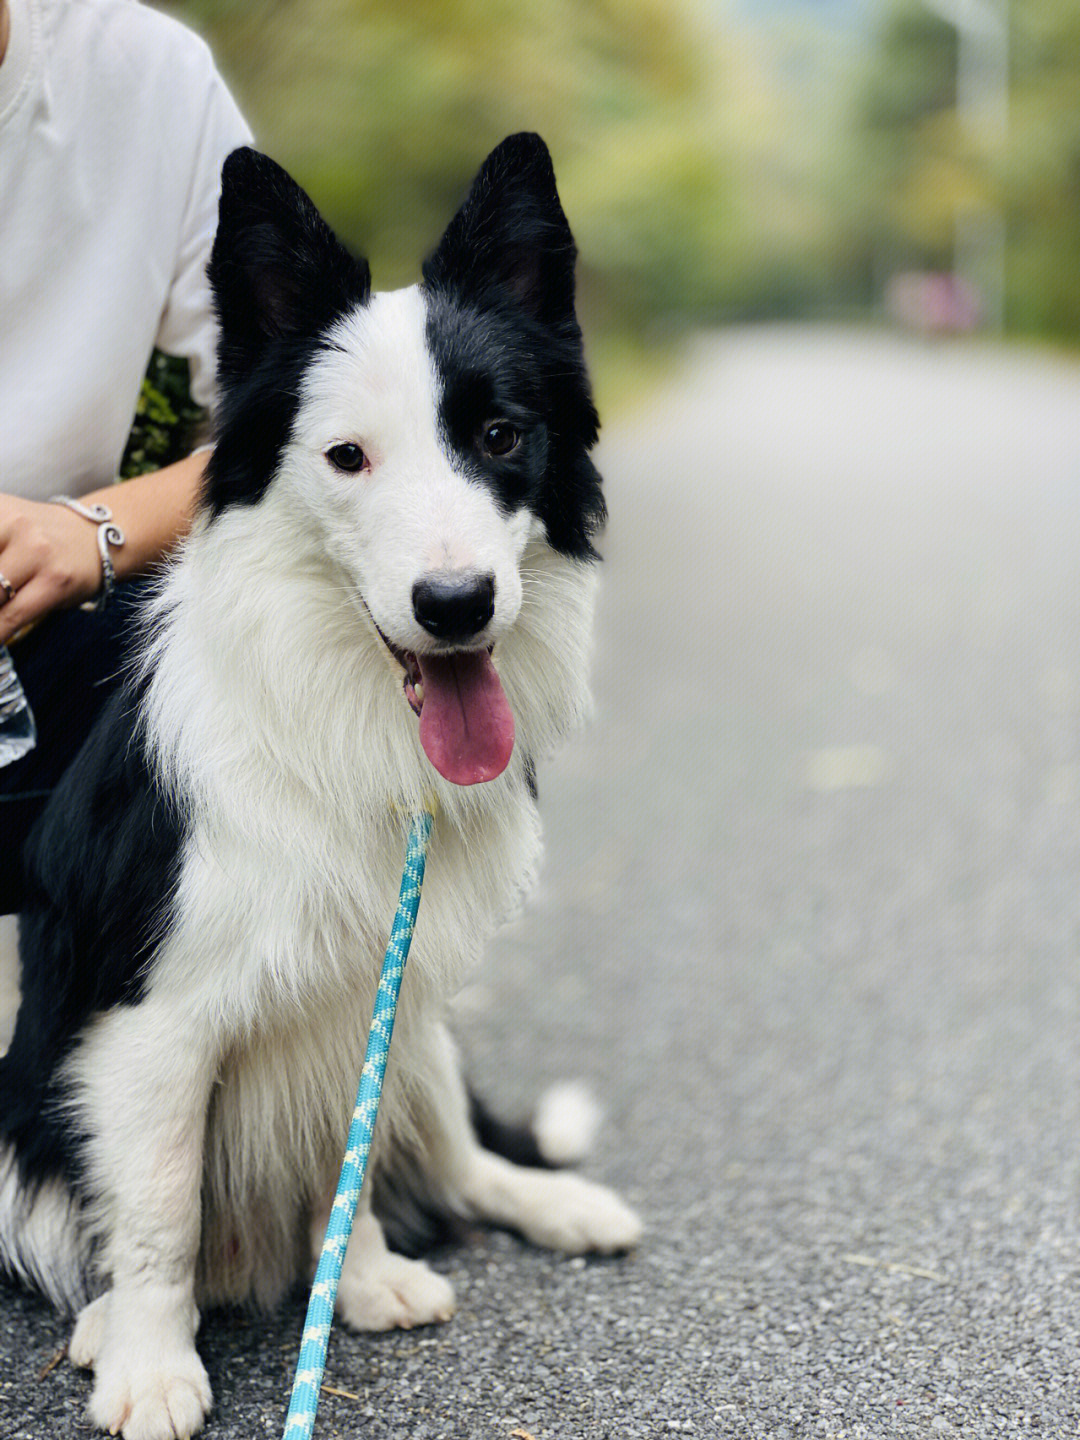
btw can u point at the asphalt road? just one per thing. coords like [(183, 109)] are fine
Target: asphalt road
[(809, 925)]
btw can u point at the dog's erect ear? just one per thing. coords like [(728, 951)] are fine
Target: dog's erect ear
[(510, 238), (277, 269)]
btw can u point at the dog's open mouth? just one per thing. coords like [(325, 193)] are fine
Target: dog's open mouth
[(466, 724)]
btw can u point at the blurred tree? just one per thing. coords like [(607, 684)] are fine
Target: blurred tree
[(912, 171), (711, 168), (1043, 171), (788, 118), (384, 112), (916, 169)]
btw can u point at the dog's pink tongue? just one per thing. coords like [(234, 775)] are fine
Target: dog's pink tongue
[(466, 724)]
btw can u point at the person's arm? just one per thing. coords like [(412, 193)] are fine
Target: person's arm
[(49, 555)]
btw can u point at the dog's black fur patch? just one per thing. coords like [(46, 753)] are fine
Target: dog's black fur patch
[(101, 866), (507, 344), (280, 279)]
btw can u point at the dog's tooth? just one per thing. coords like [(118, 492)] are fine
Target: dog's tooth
[(418, 691)]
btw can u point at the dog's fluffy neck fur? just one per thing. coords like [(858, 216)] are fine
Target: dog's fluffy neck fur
[(276, 719)]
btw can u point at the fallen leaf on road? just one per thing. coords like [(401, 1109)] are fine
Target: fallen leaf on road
[(50, 1365), (846, 767), (895, 1267), (342, 1394)]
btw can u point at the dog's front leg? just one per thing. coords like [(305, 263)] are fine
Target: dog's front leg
[(141, 1080)]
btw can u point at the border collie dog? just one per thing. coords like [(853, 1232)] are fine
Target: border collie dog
[(387, 594)]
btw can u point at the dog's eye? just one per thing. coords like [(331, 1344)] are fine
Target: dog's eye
[(348, 457), (499, 437)]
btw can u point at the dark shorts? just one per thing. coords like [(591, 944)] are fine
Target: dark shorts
[(69, 665)]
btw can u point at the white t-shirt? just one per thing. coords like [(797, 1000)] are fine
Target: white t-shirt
[(113, 128)]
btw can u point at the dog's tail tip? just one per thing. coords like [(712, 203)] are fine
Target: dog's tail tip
[(566, 1122)]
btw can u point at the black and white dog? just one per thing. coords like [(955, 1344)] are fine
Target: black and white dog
[(387, 593)]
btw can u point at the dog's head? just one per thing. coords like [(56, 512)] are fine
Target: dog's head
[(425, 435)]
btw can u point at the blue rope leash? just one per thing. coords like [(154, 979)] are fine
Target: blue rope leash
[(320, 1313)]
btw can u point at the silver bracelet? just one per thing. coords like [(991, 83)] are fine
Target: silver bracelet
[(108, 533)]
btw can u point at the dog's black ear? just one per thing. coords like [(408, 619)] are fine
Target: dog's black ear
[(510, 239), (277, 270)]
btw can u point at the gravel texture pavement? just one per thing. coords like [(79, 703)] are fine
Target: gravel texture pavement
[(809, 926)]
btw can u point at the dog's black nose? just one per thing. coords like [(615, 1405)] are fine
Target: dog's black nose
[(454, 606)]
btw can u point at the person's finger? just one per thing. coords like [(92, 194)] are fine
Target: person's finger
[(49, 543), (18, 566), (10, 585), (31, 601)]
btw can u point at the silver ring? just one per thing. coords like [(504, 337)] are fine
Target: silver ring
[(8, 589)]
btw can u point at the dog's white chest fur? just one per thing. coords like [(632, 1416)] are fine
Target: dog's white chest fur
[(287, 737)]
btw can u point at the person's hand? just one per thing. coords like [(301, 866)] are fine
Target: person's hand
[(49, 559)]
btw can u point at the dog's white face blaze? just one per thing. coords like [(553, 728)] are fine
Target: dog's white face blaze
[(411, 511)]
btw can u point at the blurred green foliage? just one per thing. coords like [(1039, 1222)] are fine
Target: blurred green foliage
[(920, 167), (909, 170), (713, 167), (166, 418), (1041, 174), (384, 112)]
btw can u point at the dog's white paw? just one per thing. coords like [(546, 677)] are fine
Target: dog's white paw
[(392, 1293), (557, 1210), (149, 1383), (168, 1401), (581, 1217)]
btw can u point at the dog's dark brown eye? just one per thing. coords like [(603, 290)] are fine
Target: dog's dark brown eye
[(499, 437), (348, 457)]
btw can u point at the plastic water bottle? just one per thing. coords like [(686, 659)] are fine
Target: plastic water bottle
[(18, 734)]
